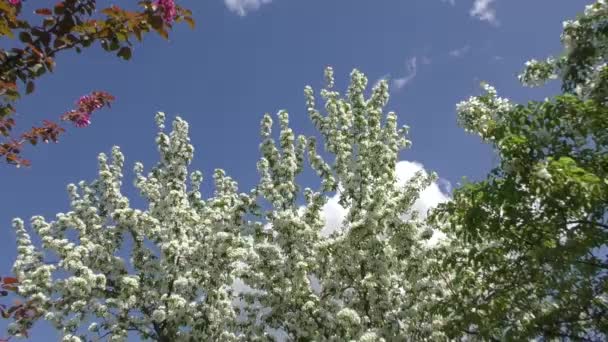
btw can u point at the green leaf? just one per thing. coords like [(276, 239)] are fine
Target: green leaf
[(37, 69), (114, 45), (25, 37)]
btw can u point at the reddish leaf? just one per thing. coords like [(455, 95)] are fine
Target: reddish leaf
[(43, 11), (29, 88), (10, 280), (125, 52), (190, 22)]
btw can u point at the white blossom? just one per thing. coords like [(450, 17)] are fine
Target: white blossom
[(480, 114), (185, 253), (584, 56)]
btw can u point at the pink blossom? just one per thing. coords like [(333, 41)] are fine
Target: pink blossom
[(82, 120), (167, 8), (78, 117), (85, 106), (14, 2), (89, 103)]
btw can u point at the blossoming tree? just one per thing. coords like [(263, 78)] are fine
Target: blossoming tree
[(243, 265), (523, 255), (528, 244), (67, 25)]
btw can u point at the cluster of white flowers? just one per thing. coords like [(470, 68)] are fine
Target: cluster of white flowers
[(538, 73), (480, 114), (542, 172), (364, 282), (600, 7), (182, 252), (589, 87), (569, 35), (580, 69)]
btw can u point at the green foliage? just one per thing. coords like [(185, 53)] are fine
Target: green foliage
[(529, 242)]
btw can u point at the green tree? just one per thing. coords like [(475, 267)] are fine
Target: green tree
[(527, 246)]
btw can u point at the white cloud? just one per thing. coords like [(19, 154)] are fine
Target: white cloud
[(412, 69), (445, 185), (429, 198), (334, 214), (241, 7), (460, 51), (483, 11)]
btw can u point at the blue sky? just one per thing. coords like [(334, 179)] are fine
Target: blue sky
[(249, 57)]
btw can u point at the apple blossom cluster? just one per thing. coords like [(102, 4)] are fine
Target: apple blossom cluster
[(538, 73), (583, 61), (181, 259), (364, 281), (245, 266), (480, 114)]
